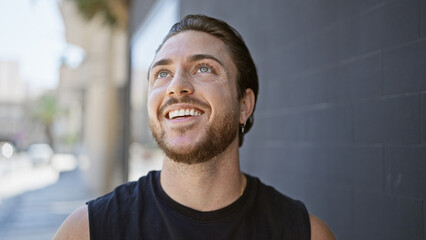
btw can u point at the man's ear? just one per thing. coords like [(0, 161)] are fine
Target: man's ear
[(246, 105)]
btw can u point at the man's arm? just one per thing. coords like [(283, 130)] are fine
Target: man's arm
[(320, 230), (76, 226)]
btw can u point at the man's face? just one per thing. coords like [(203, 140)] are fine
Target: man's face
[(193, 105)]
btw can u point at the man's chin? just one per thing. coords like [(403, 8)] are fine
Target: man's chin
[(181, 150), (191, 148), (182, 143), (187, 155)]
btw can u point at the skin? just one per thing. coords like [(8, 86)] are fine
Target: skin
[(218, 90), (204, 186)]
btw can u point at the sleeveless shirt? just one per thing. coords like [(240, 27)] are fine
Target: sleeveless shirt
[(142, 210)]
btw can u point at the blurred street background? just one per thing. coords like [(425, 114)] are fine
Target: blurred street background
[(340, 121), (63, 96)]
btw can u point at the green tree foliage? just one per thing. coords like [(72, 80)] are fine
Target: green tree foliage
[(115, 12)]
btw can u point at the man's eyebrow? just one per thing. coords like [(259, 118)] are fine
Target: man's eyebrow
[(198, 57), (165, 61), (193, 58), (162, 62)]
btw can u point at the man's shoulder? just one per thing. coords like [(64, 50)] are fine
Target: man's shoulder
[(76, 226), (98, 211), (292, 210), (275, 198), (320, 230), (274, 208), (124, 193)]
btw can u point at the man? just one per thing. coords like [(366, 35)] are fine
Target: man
[(202, 93)]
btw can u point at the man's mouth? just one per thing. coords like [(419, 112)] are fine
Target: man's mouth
[(182, 113)]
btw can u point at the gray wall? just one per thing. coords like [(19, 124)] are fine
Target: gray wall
[(139, 9), (341, 116)]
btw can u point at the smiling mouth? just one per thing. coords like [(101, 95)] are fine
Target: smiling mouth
[(182, 113)]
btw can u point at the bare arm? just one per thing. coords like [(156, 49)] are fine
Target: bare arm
[(76, 226), (320, 230)]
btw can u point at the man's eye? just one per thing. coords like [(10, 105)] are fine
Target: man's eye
[(163, 74), (204, 69)]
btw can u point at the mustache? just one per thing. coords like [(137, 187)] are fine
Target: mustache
[(185, 99)]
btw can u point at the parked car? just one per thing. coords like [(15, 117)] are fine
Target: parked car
[(40, 153)]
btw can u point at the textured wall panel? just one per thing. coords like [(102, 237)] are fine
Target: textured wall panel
[(341, 117)]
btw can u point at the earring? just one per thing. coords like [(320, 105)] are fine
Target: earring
[(242, 127)]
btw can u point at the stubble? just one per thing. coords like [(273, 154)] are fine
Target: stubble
[(217, 136)]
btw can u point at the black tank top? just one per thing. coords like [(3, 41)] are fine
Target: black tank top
[(142, 210)]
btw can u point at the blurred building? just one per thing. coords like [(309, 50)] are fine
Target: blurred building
[(16, 120), (93, 92), (12, 101), (12, 88)]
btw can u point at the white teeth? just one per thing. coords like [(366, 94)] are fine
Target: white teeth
[(183, 112), (174, 113)]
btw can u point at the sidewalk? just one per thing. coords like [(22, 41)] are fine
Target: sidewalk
[(36, 215)]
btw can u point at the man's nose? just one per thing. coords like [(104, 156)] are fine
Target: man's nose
[(180, 85)]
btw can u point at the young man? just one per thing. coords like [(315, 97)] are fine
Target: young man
[(202, 93)]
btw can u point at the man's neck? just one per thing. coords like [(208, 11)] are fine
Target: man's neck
[(207, 186)]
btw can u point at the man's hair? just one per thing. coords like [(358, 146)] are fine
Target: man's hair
[(238, 51)]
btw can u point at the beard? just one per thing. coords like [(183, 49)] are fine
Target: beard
[(215, 140)]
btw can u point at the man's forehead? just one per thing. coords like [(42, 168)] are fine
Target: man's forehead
[(190, 43)]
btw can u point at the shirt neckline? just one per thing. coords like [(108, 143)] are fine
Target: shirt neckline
[(201, 216)]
